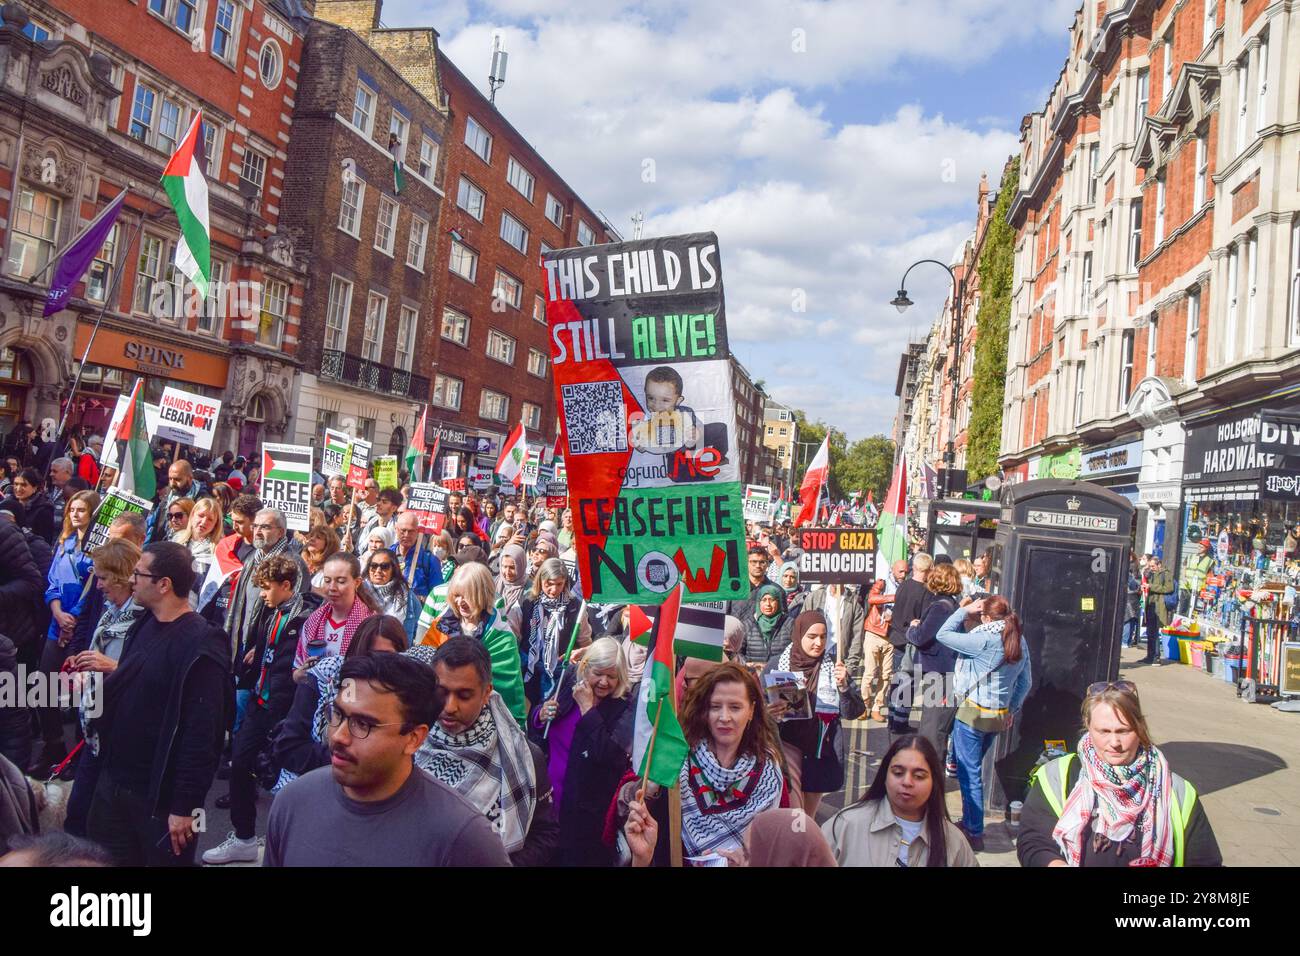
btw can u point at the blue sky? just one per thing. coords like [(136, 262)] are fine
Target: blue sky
[(829, 143)]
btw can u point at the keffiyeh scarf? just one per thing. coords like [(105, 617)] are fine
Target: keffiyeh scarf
[(718, 804), (489, 765), (392, 598), (544, 634), (1118, 802), (314, 629)]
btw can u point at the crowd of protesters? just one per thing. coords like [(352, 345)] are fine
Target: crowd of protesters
[(366, 668)]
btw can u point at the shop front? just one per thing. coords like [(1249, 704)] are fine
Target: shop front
[(1160, 481), (1117, 467)]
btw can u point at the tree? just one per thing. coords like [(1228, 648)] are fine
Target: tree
[(867, 466), (988, 390)]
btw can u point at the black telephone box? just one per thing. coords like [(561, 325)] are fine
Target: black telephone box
[(1061, 558)]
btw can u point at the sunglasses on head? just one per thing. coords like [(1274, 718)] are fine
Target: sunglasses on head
[(1104, 685)]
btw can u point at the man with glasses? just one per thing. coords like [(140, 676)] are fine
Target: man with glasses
[(370, 806), (420, 565), (162, 725), (181, 483)]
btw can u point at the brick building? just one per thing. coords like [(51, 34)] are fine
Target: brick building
[(1155, 293), (749, 399), (373, 270), (780, 436), (95, 97)]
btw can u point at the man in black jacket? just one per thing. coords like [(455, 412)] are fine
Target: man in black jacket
[(22, 585), (164, 718), (269, 665), (910, 601)]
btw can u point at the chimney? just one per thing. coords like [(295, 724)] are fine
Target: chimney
[(359, 16)]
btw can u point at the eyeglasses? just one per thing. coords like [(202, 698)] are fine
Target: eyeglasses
[(1104, 685), (176, 516), (386, 566), (146, 574), (358, 727)]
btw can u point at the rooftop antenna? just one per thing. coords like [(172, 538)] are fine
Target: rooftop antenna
[(497, 79), (638, 224)]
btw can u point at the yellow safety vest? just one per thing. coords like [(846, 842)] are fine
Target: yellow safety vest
[(1053, 778)]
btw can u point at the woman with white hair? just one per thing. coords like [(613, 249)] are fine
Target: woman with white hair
[(588, 744), (468, 604), (553, 618), (377, 539)]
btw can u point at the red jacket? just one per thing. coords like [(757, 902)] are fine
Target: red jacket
[(876, 601)]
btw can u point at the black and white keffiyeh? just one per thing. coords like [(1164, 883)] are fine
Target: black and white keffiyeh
[(544, 634), (719, 803)]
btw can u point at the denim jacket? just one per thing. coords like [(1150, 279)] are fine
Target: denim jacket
[(68, 580), (982, 674)]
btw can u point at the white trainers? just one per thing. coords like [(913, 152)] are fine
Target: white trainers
[(233, 850)]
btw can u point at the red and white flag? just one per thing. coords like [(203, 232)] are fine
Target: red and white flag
[(813, 480)]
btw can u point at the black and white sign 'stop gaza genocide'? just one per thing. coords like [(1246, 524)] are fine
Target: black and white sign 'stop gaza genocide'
[(837, 556)]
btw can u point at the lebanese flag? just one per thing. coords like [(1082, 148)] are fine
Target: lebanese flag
[(813, 480), (221, 569), (136, 475), (659, 747), (415, 454), (188, 191), (892, 528), (510, 466)]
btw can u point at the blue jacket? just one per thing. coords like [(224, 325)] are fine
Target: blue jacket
[(982, 673), (428, 571), (70, 573)]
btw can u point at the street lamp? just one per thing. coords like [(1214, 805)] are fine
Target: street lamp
[(901, 303)]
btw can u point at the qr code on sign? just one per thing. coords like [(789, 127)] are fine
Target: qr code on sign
[(595, 417)]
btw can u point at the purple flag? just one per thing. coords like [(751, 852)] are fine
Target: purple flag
[(77, 257)]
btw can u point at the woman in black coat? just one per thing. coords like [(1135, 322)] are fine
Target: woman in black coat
[(548, 614), (767, 626), (937, 661), (589, 742), (37, 509)]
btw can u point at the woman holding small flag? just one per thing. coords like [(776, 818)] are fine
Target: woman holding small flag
[(553, 619)]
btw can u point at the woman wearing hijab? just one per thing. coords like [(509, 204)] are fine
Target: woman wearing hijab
[(377, 539), (795, 595), (814, 747), (903, 819), (730, 776), (543, 549), (553, 618), (511, 583), (1115, 801), (767, 629)]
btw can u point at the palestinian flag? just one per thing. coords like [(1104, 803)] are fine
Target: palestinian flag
[(510, 466), (287, 463), (659, 747), (699, 631), (136, 474), (188, 191), (225, 565), (892, 528), (415, 453)]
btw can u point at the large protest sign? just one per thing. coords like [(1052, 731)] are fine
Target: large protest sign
[(187, 418), (334, 454), (532, 467), (114, 503), (358, 463), (429, 502), (480, 479), (758, 504), (286, 483), (640, 355), (386, 471), (837, 556)]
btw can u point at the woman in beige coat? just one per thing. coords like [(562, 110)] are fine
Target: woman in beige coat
[(903, 819)]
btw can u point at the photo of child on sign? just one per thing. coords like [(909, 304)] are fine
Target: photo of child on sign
[(668, 433)]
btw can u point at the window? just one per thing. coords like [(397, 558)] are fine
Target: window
[(169, 126), (186, 14), (455, 326), (1261, 83), (366, 429), (1094, 154), (428, 158), (447, 391), (385, 225), (1167, 64), (406, 324), (493, 406), (1143, 97), (350, 206), (1125, 367), (1194, 334), (585, 235), (35, 231), (270, 64), (1160, 211), (223, 30), (532, 416), (336, 314), (363, 108), (508, 289), (217, 301), (1135, 234), (537, 363), (35, 32), (1085, 283), (539, 309), (253, 170), (1202, 171), (142, 110), (148, 271), (464, 261), (1243, 101), (1153, 340), (275, 306), (501, 347), (1230, 333), (1252, 281), (520, 178), (1079, 392), (372, 336), (399, 126), (470, 198), (477, 139), (554, 211), (1294, 335), (100, 276), (1207, 31), (211, 150), (416, 242), (159, 7), (513, 232)]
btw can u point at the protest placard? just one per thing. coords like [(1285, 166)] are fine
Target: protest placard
[(454, 484), (557, 489), (385, 471), (557, 501), (334, 453), (187, 418), (532, 467), (758, 503), (358, 463), (450, 467), (286, 483), (115, 502), (640, 356), (837, 556), (429, 502), (480, 479)]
